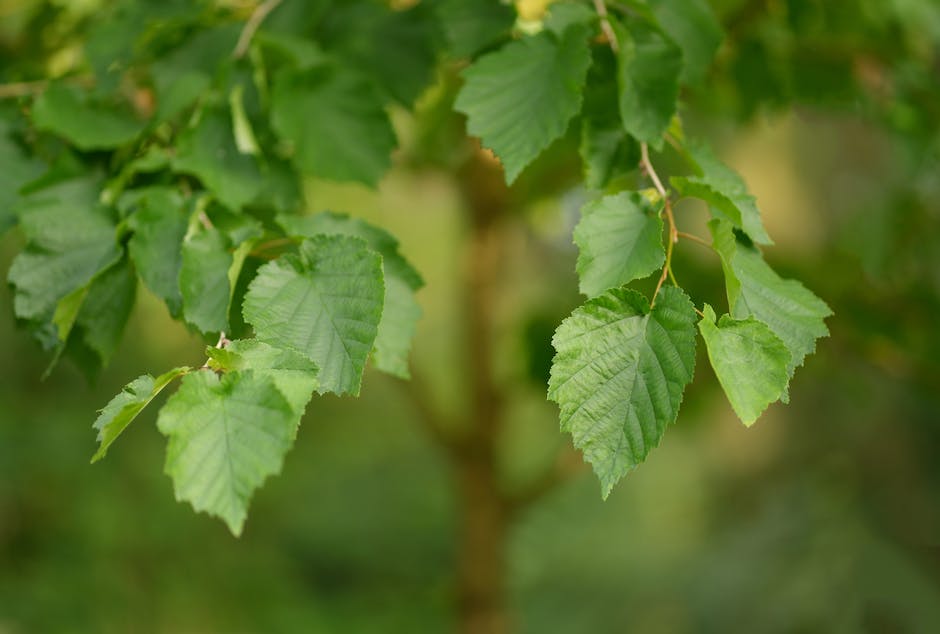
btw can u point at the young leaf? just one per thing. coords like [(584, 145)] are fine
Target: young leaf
[(159, 226), (203, 279), (208, 151), (62, 110), (294, 374), (520, 98), (335, 122), (749, 360), (401, 312), (325, 302), (121, 410), (619, 373), (792, 311), (620, 240), (649, 65), (724, 191), (226, 436)]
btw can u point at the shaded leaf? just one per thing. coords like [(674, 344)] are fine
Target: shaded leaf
[(63, 110), (203, 279)]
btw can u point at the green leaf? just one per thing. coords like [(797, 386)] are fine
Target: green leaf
[(106, 309), (520, 98), (619, 373), (473, 25), (724, 191), (124, 408), (70, 238), (607, 151), (792, 311), (749, 360), (17, 168), (226, 436), (294, 374), (62, 110), (208, 151), (620, 239), (561, 16), (649, 66), (335, 123), (203, 279), (401, 312), (325, 302), (693, 26), (159, 224)]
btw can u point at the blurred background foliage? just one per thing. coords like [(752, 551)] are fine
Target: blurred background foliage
[(824, 517)]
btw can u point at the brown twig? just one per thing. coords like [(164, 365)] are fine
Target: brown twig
[(606, 27)]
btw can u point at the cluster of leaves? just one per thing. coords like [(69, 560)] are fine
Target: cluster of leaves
[(623, 360), (179, 161)]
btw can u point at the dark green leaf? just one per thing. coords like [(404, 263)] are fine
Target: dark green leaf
[(159, 225), (62, 109), (204, 279), (208, 151), (648, 73), (473, 25), (693, 26), (335, 124)]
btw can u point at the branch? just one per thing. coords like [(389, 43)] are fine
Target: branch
[(251, 26), (605, 25)]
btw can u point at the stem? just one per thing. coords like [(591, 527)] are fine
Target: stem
[(29, 88), (694, 238), (673, 232), (608, 30), (251, 26)]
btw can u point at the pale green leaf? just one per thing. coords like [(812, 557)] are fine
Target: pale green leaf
[(334, 122), (791, 310), (294, 374), (620, 239), (62, 109), (521, 98), (724, 191), (649, 65), (209, 152), (121, 410), (749, 360), (325, 302), (401, 312), (619, 373), (226, 436), (204, 281)]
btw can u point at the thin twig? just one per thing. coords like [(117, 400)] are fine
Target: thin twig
[(606, 27), (251, 26), (566, 464), (667, 206), (22, 89), (693, 238), (417, 391)]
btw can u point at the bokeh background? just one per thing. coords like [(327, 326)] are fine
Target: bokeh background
[(823, 517)]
